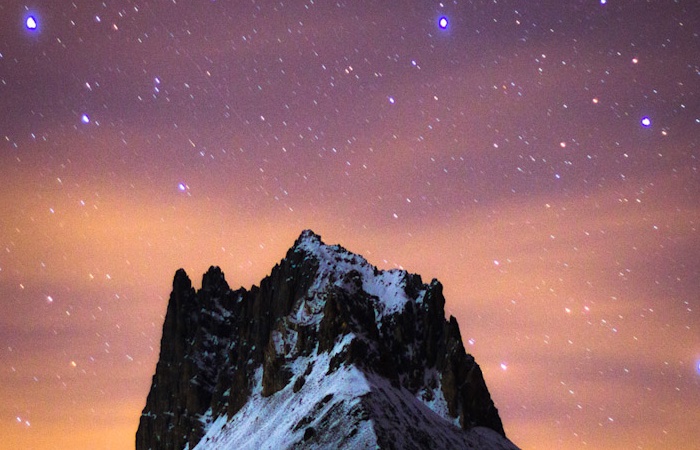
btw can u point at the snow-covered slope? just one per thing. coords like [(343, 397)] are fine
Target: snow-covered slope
[(329, 352), (287, 418), (386, 288), (348, 409)]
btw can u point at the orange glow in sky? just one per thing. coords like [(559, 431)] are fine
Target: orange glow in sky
[(565, 233)]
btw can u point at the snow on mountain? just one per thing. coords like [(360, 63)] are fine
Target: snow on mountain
[(284, 419), (329, 352), (387, 287)]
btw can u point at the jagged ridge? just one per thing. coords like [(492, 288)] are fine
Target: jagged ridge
[(223, 349)]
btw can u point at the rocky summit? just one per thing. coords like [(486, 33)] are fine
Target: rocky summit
[(327, 353)]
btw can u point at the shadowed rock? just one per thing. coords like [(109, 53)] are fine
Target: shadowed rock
[(215, 339)]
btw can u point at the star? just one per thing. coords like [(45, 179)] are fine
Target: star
[(31, 23), (443, 23)]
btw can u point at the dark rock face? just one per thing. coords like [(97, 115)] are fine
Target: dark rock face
[(191, 360), (215, 339)]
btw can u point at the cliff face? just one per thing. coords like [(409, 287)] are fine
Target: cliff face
[(323, 316)]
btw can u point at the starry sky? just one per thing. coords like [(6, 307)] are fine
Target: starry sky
[(540, 158)]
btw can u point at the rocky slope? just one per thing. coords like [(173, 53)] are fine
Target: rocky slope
[(329, 352)]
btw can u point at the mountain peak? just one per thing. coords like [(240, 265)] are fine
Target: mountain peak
[(181, 280), (214, 279), (327, 335), (308, 237), (389, 290)]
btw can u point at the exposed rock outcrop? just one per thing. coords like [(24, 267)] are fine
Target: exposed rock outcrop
[(220, 348)]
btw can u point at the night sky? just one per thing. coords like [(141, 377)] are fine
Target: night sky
[(540, 158)]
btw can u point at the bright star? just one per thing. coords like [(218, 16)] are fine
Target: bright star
[(31, 23), (85, 118), (182, 187), (646, 122), (443, 22)]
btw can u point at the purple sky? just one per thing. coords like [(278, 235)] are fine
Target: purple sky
[(506, 155)]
